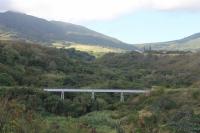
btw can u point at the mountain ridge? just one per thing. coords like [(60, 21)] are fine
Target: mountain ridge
[(36, 29), (190, 43)]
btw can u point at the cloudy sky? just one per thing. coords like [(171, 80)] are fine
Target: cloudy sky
[(132, 21)]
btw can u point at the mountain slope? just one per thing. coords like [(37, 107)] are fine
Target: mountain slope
[(25, 27), (191, 43)]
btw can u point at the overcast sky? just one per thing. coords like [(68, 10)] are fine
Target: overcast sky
[(132, 21)]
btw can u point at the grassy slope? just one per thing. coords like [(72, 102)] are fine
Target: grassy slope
[(97, 51), (190, 45), (5, 35)]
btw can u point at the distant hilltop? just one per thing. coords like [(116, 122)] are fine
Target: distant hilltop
[(15, 25)]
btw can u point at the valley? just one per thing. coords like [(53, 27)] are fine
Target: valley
[(26, 69), (36, 53)]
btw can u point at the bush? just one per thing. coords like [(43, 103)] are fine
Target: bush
[(163, 103), (185, 122), (195, 95), (6, 80), (54, 104), (14, 118)]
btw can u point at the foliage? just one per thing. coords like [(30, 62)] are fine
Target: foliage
[(164, 103), (185, 122), (36, 67), (14, 117), (33, 65), (6, 80)]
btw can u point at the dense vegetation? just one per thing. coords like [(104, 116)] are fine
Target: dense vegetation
[(25, 64), (25, 69), (153, 68), (164, 111)]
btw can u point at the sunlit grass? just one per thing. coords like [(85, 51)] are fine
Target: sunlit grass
[(95, 50)]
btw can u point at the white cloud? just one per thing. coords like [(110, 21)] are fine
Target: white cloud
[(88, 10), (75, 10), (187, 5)]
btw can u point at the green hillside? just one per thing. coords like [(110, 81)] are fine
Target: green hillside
[(30, 64), (25, 69), (191, 43), (38, 30)]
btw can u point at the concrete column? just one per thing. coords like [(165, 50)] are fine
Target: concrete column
[(93, 96), (122, 97), (62, 95)]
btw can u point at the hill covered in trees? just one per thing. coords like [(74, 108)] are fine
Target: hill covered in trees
[(24, 64), (25, 69)]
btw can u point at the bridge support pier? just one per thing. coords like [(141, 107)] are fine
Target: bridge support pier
[(122, 97), (93, 96), (62, 95)]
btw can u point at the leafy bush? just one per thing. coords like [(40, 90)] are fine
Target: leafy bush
[(196, 94), (14, 118), (163, 103), (185, 122), (6, 80)]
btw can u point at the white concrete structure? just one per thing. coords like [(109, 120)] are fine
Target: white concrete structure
[(93, 91)]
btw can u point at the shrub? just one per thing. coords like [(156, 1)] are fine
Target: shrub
[(163, 103), (185, 122), (6, 80), (195, 95), (54, 104)]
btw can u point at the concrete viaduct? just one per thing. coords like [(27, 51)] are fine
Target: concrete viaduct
[(93, 91)]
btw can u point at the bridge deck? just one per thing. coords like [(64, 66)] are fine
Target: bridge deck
[(93, 91), (97, 90)]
